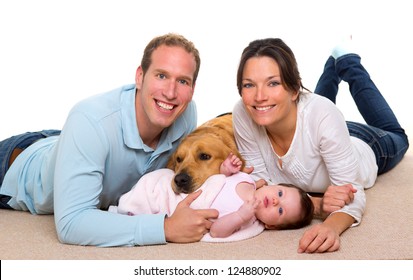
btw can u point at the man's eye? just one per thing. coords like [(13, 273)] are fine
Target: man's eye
[(161, 76), (184, 82)]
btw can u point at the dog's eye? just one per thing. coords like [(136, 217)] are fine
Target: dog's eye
[(178, 159), (204, 156)]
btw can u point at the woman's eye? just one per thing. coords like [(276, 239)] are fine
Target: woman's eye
[(274, 83), (247, 85)]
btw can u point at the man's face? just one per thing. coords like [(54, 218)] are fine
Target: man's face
[(166, 88)]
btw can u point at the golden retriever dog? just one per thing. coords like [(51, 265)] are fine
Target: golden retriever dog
[(201, 153)]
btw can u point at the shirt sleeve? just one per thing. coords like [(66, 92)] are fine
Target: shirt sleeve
[(337, 152), (251, 142), (80, 168)]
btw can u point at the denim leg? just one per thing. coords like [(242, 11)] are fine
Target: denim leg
[(327, 85), (369, 101), (388, 147), (21, 141), (383, 132), (3, 202)]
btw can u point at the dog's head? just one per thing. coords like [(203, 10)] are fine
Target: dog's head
[(198, 157)]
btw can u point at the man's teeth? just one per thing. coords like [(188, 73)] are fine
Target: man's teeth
[(164, 105), (263, 108)]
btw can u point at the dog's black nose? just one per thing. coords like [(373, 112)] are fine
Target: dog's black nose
[(183, 181)]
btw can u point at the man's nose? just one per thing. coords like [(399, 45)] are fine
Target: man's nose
[(170, 90)]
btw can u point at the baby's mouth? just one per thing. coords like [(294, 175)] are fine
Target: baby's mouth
[(265, 202)]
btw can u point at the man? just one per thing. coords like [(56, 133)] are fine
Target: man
[(107, 143)]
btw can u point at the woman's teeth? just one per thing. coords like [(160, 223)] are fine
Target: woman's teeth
[(263, 108)]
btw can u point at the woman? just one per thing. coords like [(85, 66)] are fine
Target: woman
[(292, 135)]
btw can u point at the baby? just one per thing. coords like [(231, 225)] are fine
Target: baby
[(244, 211)]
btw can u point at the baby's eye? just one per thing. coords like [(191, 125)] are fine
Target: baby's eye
[(280, 193), (280, 210)]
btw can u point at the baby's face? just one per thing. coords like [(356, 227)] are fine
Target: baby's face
[(279, 205)]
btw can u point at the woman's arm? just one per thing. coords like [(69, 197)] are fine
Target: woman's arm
[(251, 142), (334, 199), (341, 205), (325, 237), (341, 161)]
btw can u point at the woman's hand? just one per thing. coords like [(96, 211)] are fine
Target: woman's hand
[(325, 237), (319, 239), (336, 197)]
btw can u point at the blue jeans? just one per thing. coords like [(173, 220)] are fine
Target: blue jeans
[(382, 132), (21, 141)]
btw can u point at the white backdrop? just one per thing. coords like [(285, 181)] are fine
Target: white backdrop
[(55, 53)]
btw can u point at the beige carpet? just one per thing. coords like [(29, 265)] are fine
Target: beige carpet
[(386, 233)]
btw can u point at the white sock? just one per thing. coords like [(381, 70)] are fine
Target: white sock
[(345, 47)]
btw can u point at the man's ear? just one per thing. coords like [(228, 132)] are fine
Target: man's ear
[(139, 77)]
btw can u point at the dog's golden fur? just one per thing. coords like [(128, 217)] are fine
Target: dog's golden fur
[(201, 153)]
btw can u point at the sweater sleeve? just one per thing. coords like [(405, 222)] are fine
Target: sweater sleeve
[(332, 138), (251, 142)]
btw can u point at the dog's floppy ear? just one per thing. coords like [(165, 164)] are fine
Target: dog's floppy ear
[(171, 162)]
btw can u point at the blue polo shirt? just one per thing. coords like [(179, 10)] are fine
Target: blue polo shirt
[(98, 157)]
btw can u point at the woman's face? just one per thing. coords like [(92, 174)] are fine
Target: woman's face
[(265, 98)]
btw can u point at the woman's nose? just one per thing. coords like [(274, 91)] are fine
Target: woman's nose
[(260, 94)]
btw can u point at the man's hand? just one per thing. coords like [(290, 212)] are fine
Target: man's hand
[(187, 225)]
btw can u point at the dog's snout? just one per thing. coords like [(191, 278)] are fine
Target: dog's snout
[(183, 181)]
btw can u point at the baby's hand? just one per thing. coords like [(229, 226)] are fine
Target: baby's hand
[(247, 210), (231, 165)]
